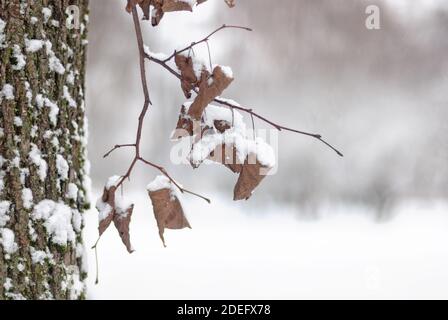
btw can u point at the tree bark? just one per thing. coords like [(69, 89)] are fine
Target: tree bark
[(44, 184)]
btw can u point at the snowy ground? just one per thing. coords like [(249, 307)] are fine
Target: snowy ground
[(236, 253)]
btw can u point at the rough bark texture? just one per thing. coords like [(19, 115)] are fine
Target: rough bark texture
[(43, 123)]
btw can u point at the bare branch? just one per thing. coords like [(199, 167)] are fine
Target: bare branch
[(224, 26), (142, 115), (118, 146), (182, 189), (248, 110)]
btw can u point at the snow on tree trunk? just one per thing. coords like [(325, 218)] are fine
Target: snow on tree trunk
[(44, 185)]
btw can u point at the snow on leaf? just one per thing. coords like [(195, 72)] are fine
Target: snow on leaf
[(121, 222), (250, 177), (167, 208), (114, 207), (105, 206), (209, 91)]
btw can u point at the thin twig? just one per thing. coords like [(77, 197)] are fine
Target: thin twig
[(224, 26), (248, 110), (141, 118), (209, 56), (277, 126), (96, 259), (182, 189), (253, 126), (118, 146)]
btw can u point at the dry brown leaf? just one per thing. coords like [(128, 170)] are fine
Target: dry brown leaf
[(176, 5), (144, 5), (209, 91), (226, 155), (121, 222), (250, 177), (110, 211), (189, 79), (167, 211), (160, 7), (108, 198), (230, 3), (184, 126)]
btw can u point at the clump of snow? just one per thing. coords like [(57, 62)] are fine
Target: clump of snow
[(56, 65), (62, 167), (40, 101), (71, 78), (82, 254), (20, 267), (18, 121), (158, 56), (54, 110), (159, 183), (8, 284), (73, 283), (53, 62), (34, 20), (27, 198), (227, 71), (33, 45), (112, 182), (122, 205), (29, 93), (4, 212), (2, 33), (213, 113), (77, 220), (39, 256), (236, 136), (20, 58), (68, 97), (15, 296), (104, 209), (7, 92), (36, 157), (47, 13), (2, 176), (72, 191), (7, 240), (57, 218), (163, 182)]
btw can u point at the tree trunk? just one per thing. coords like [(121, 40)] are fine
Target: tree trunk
[(44, 185)]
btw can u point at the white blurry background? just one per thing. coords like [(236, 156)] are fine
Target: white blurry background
[(371, 225)]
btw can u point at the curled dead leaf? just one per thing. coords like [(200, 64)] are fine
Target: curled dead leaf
[(112, 207), (250, 177), (230, 3), (176, 5), (121, 222), (209, 89), (106, 209), (226, 155), (189, 80), (168, 211)]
